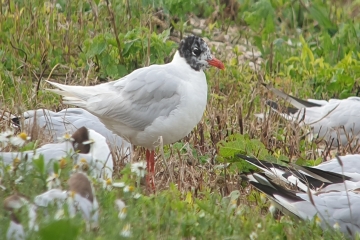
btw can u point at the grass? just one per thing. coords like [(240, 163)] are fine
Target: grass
[(307, 49)]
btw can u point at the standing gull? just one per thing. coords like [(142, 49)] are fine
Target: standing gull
[(157, 101)]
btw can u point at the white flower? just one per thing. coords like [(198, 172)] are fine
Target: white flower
[(19, 140), (258, 225), (107, 184), (202, 214), (272, 209), (53, 195), (2, 187), (122, 208), (4, 137), (253, 236), (126, 231), (120, 204), (240, 210), (318, 220), (66, 137), (60, 214), (122, 213), (32, 218), (128, 189), (83, 165), (18, 180), (58, 6), (263, 198), (118, 184), (139, 168), (137, 195), (15, 164), (15, 231), (233, 204), (53, 181), (336, 226)]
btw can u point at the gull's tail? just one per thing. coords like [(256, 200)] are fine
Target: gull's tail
[(73, 95)]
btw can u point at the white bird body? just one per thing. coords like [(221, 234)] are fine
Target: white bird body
[(333, 208), (336, 121), (146, 104), (350, 166), (337, 209), (99, 156), (57, 124)]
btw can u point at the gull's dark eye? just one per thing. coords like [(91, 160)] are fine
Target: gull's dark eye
[(196, 52)]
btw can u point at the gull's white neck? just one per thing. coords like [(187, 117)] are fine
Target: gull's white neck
[(181, 62)]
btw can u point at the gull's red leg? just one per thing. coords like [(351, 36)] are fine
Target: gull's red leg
[(150, 165), (152, 162)]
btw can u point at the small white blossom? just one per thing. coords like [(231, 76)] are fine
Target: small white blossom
[(58, 6), (318, 220), (137, 195), (336, 226), (240, 210), (15, 231), (15, 164), (60, 214), (66, 137), (126, 231), (5, 137), (233, 204), (18, 180), (122, 213), (128, 189), (272, 209), (263, 198), (2, 187), (122, 208), (118, 184), (53, 181), (51, 196), (139, 168), (83, 165), (32, 218), (19, 140), (107, 184), (253, 236)]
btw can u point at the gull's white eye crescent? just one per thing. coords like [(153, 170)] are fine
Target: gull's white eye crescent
[(196, 52)]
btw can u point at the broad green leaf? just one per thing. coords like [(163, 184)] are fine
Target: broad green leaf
[(112, 70), (39, 164), (56, 166), (63, 229), (320, 14), (96, 48), (261, 15)]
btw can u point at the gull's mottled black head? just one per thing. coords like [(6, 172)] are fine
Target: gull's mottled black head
[(195, 51), (80, 136)]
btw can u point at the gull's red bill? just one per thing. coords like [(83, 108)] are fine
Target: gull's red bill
[(216, 63)]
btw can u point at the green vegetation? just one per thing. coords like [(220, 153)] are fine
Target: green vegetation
[(309, 49)]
